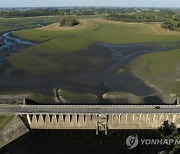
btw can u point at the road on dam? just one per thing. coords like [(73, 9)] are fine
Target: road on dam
[(88, 109)]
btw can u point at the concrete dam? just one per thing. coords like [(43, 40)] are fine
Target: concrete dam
[(99, 117), (99, 122)]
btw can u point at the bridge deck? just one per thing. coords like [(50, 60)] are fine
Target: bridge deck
[(89, 109), (96, 117)]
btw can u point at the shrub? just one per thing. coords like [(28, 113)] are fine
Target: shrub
[(170, 24), (68, 21)]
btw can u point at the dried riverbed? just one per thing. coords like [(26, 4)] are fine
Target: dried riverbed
[(113, 76)]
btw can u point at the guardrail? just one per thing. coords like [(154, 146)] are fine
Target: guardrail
[(67, 113), (92, 106)]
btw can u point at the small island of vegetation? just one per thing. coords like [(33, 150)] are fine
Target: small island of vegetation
[(68, 21)]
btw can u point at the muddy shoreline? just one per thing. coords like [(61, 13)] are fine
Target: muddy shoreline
[(12, 44)]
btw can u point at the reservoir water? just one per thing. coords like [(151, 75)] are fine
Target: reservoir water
[(12, 44)]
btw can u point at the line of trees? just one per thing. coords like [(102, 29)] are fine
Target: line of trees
[(144, 16), (43, 12), (122, 14), (170, 19), (170, 131)]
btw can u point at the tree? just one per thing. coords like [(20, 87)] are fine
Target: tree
[(178, 25), (170, 24), (68, 21), (170, 131)]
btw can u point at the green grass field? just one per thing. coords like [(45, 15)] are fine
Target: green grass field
[(4, 120), (161, 69), (8, 24), (56, 45)]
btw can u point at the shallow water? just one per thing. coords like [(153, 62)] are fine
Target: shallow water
[(12, 44)]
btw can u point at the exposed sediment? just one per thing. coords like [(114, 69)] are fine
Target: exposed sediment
[(13, 98), (58, 97)]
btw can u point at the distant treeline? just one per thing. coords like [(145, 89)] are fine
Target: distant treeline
[(170, 19), (43, 12), (144, 16), (122, 14)]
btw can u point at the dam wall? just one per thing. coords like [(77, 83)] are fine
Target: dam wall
[(99, 122), (16, 128)]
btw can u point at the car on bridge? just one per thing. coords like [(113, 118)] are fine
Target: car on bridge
[(157, 107)]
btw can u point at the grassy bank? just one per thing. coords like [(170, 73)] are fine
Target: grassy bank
[(160, 69), (74, 97), (7, 24), (98, 30), (4, 120), (34, 95)]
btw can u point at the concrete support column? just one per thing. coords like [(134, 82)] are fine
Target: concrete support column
[(126, 119), (119, 118), (73, 119), (147, 118), (167, 117), (140, 118), (88, 119), (174, 118), (133, 118), (81, 119), (41, 122), (54, 121), (34, 119), (68, 118), (61, 119), (153, 120), (47, 119), (160, 119), (110, 119), (28, 118)]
